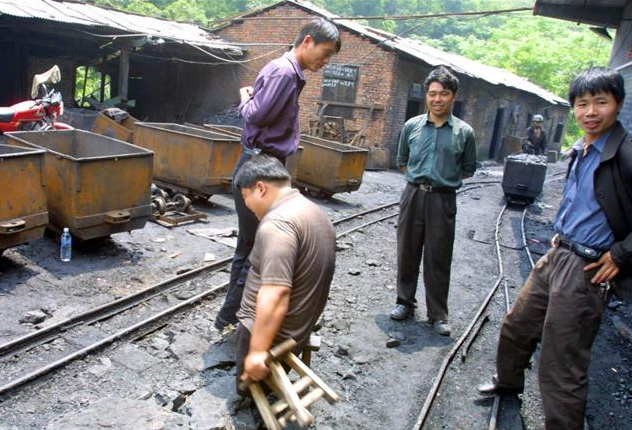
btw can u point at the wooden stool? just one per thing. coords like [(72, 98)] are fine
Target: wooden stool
[(313, 344), (294, 398)]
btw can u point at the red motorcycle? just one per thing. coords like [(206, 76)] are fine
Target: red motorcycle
[(40, 113)]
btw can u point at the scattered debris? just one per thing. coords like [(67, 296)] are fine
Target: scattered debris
[(225, 236), (33, 317), (392, 343)]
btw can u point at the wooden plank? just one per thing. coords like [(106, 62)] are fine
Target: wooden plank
[(280, 378), (303, 370), (264, 407), (299, 386), (309, 399)]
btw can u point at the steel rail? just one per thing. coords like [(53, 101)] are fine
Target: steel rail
[(118, 306), (107, 310), (104, 311), (106, 341), (432, 394), (121, 305)]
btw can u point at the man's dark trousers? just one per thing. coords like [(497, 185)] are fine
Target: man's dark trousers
[(248, 223), (559, 307), (425, 227)]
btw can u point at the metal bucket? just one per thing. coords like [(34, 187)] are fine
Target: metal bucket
[(292, 162), (95, 185), (330, 167), (23, 213), (108, 127), (189, 159)]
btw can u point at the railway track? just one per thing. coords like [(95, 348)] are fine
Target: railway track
[(471, 332), (120, 318), (27, 351)]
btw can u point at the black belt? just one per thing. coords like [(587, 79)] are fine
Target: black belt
[(589, 254), (429, 188)]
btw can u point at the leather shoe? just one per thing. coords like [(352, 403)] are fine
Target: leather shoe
[(492, 388), (442, 327), (401, 312)]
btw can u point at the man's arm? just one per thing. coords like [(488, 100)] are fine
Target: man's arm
[(403, 149), (265, 104), (469, 156), (272, 306)]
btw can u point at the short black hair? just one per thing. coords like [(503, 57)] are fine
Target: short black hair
[(445, 77), (320, 31), (261, 168), (596, 80)]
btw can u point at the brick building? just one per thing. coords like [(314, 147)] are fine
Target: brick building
[(376, 82)]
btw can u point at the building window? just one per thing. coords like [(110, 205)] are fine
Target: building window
[(340, 83), (91, 84)]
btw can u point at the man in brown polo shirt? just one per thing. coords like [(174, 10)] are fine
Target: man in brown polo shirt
[(292, 265)]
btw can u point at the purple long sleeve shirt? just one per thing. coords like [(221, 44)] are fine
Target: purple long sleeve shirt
[(271, 114)]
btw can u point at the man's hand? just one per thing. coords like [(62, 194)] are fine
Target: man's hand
[(255, 367), (607, 269), (246, 93)]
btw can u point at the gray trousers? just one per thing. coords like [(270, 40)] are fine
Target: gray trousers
[(559, 307), (425, 227)]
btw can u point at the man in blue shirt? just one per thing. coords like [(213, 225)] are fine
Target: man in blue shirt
[(436, 151), (562, 301), (270, 112)]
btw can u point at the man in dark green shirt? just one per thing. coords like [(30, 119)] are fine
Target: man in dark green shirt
[(436, 151)]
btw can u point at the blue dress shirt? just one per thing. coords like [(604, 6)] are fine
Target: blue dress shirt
[(580, 219)]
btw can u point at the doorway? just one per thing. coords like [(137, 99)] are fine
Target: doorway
[(498, 122)]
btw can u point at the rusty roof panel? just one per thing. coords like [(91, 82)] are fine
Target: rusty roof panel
[(430, 55), (95, 16)]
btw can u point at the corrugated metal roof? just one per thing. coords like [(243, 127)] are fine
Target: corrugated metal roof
[(94, 16), (433, 56)]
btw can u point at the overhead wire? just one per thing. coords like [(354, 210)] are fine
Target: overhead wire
[(377, 17)]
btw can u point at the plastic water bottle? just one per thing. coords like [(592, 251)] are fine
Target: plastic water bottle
[(66, 245)]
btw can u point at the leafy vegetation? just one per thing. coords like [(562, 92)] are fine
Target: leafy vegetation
[(548, 52)]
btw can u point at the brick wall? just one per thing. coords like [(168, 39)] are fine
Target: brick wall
[(376, 73), (385, 79)]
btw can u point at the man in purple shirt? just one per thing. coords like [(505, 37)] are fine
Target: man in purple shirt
[(270, 112)]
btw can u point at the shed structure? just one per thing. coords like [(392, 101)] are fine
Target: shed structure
[(601, 15), (170, 69), (376, 82)]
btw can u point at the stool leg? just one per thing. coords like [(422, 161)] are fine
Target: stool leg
[(304, 370), (264, 407), (303, 416), (306, 356)]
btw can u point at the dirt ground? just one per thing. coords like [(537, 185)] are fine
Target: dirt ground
[(181, 375)]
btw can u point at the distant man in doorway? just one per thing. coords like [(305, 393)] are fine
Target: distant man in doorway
[(536, 137), (561, 303), (271, 113), (292, 265), (436, 151)]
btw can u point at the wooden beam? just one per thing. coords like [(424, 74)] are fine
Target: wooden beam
[(123, 77), (351, 105)]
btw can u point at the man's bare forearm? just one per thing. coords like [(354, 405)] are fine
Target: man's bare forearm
[(272, 305)]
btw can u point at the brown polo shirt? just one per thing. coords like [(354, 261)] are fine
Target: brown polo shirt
[(294, 247)]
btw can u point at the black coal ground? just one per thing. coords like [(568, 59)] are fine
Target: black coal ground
[(180, 376)]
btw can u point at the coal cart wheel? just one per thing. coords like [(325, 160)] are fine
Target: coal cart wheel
[(182, 203), (158, 205)]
